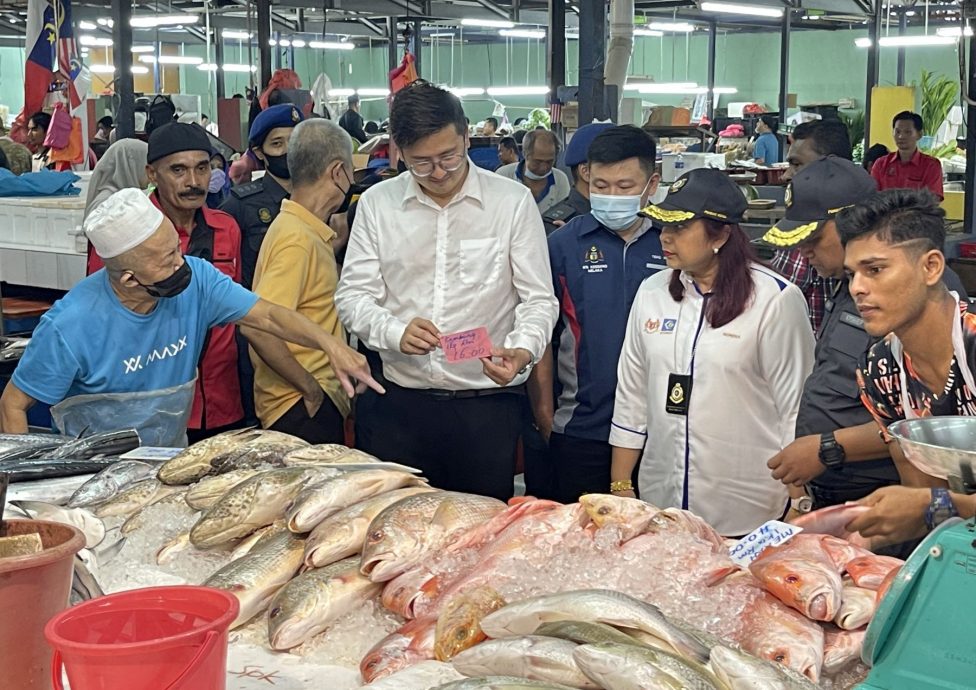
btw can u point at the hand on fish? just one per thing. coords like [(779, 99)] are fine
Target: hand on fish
[(897, 515), (798, 463)]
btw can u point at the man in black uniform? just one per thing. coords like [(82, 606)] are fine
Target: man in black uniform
[(578, 201), (837, 453), (255, 204), (352, 121)]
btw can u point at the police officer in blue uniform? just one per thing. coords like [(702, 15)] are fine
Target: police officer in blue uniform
[(837, 453), (598, 260), (256, 204), (578, 201)]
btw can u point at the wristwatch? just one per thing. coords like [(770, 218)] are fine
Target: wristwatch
[(831, 453), (801, 504), (940, 509)]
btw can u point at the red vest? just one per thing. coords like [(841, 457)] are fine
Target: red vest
[(217, 401)]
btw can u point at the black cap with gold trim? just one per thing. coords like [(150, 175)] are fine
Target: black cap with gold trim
[(817, 193), (700, 193)]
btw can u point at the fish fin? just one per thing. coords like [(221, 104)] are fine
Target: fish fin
[(716, 576)]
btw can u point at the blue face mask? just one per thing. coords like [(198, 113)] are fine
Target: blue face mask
[(616, 212), (532, 176)]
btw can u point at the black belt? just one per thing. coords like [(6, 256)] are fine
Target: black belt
[(439, 394)]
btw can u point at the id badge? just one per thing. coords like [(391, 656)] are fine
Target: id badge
[(679, 394)]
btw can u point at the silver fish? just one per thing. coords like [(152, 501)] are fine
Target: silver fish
[(110, 481), (582, 632), (500, 683), (193, 463), (134, 497), (207, 491), (741, 671), (411, 530), (626, 667), (314, 600), (319, 501), (597, 605), (90, 525), (254, 503), (258, 536), (534, 657), (257, 577), (341, 535), (104, 443)]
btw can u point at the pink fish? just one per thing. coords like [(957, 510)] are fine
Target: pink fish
[(870, 571), (841, 648), (886, 584), (772, 631), (686, 521), (856, 609), (834, 520), (801, 575), (841, 551), (412, 643)]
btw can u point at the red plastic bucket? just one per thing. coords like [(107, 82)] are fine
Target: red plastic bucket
[(160, 638)]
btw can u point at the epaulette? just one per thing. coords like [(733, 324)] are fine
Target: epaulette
[(243, 191)]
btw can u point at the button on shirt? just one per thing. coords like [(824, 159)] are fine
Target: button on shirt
[(297, 269), (746, 378), (88, 343), (595, 275), (920, 172), (479, 261), (556, 189)]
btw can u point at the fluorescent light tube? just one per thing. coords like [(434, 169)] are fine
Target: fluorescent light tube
[(233, 34), (172, 59), (87, 26), (647, 32), (87, 40), (235, 67), (683, 27), (863, 42), (151, 21), (207, 67), (143, 49), (139, 69), (955, 31), (518, 90), (341, 93), (490, 23), (522, 33), (330, 45), (373, 92), (297, 43), (749, 10), (463, 91), (102, 69)]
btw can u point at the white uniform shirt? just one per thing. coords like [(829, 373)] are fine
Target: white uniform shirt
[(482, 260), (747, 378), (556, 192)]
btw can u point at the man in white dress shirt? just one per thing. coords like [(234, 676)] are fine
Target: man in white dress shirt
[(444, 248)]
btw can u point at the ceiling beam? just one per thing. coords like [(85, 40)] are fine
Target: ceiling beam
[(492, 7)]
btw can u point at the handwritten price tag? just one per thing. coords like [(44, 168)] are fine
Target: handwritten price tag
[(772, 533), (465, 345)]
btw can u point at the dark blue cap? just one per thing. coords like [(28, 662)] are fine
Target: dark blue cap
[(284, 115), (579, 144)]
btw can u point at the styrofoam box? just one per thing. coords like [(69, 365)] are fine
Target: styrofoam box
[(45, 224), (691, 161)]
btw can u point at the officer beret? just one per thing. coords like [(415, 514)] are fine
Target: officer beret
[(175, 137), (284, 115), (580, 142)]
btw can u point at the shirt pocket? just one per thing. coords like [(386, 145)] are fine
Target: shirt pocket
[(847, 344), (480, 261)]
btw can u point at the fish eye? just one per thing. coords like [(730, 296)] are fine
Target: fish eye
[(376, 536), (604, 510), (461, 634), (276, 611), (780, 658), (792, 579)]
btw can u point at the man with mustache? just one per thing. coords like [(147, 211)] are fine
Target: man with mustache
[(179, 171)]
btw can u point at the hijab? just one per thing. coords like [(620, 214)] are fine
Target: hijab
[(122, 166)]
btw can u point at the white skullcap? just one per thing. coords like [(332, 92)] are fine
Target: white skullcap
[(123, 221)]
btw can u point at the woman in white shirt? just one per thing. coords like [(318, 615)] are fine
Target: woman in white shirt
[(712, 366)]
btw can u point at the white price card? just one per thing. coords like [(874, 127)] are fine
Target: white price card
[(151, 453), (772, 533)]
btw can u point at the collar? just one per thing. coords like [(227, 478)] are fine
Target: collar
[(200, 216), (274, 188), (304, 216), (588, 225), (472, 188), (689, 283), (916, 158), (550, 180)]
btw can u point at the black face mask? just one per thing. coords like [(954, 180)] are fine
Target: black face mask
[(353, 190), (172, 286), (277, 166)]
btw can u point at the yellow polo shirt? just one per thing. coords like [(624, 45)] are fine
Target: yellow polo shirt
[(297, 269)]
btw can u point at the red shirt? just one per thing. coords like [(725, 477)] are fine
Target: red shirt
[(217, 400), (921, 172)]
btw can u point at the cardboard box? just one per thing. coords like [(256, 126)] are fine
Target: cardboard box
[(569, 117), (360, 160)]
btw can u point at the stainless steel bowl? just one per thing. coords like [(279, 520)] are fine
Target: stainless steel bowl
[(937, 445)]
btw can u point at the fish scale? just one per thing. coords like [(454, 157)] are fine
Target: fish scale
[(533, 657), (208, 490), (254, 503), (134, 497), (193, 463), (415, 528), (626, 667), (255, 578)]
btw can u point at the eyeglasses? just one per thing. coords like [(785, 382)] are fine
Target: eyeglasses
[(448, 164)]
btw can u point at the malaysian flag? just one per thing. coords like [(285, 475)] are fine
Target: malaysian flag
[(52, 56)]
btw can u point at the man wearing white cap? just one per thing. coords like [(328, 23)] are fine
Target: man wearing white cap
[(140, 324)]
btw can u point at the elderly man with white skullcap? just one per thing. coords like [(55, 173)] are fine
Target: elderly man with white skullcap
[(140, 323)]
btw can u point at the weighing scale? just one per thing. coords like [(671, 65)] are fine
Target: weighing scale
[(922, 634)]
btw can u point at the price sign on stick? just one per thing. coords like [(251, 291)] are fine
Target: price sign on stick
[(465, 345)]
